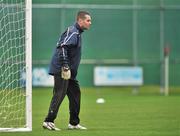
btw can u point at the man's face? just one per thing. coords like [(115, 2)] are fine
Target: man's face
[(85, 23)]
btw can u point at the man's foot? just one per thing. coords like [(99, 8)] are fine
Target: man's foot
[(76, 127), (50, 126)]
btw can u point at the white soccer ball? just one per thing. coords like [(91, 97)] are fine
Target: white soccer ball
[(100, 100)]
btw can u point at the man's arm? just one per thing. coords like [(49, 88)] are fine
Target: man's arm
[(65, 69), (69, 38)]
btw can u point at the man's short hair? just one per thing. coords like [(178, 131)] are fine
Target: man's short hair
[(81, 15)]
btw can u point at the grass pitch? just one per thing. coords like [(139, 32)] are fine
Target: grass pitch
[(147, 113)]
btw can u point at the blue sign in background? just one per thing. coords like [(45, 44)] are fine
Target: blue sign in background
[(118, 76)]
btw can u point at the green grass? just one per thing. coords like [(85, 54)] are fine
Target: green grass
[(147, 113)]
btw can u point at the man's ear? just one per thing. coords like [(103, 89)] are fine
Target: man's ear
[(80, 21)]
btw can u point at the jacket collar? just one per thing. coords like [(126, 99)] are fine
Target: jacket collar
[(78, 27)]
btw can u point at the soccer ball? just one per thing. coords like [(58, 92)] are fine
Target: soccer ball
[(100, 100)]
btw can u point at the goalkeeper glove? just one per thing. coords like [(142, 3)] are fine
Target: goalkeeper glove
[(65, 72)]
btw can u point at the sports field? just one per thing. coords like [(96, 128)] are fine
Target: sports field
[(122, 114)]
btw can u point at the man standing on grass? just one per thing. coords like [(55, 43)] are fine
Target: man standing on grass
[(64, 67)]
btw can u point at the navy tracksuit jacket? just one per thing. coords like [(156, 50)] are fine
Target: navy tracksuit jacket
[(68, 51)]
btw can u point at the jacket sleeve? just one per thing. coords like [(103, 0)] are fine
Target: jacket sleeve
[(67, 40)]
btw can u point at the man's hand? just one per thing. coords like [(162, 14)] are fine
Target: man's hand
[(65, 72)]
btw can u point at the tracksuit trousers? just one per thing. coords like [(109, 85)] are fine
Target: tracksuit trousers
[(61, 89)]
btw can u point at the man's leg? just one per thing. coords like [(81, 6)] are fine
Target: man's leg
[(74, 96), (59, 92)]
